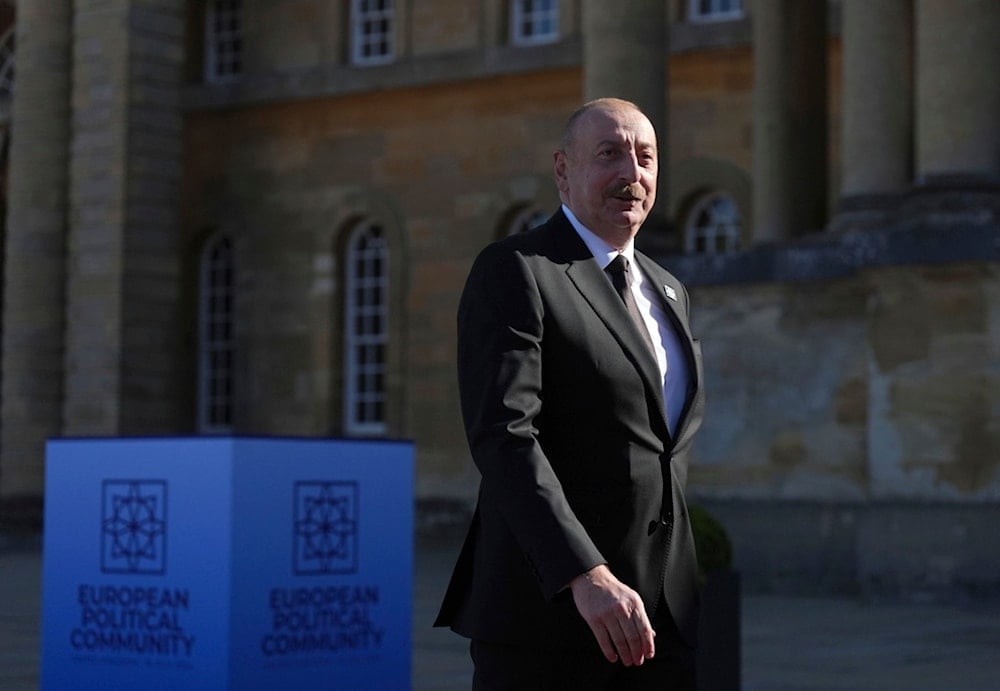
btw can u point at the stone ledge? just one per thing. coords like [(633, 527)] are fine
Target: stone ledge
[(692, 36), (942, 240), (410, 72), (880, 549)]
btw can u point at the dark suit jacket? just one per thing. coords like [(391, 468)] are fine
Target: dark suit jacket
[(563, 409)]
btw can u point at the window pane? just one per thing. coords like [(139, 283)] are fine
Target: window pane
[(528, 218), (713, 225), (366, 317), (714, 10), (534, 22), (372, 22), (216, 336), (224, 40)]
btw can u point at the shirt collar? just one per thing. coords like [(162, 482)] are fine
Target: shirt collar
[(602, 251)]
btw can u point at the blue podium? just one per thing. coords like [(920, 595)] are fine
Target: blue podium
[(227, 563)]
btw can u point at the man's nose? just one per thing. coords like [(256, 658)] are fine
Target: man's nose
[(630, 169)]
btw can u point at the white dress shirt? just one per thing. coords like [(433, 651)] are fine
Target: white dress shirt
[(660, 325)]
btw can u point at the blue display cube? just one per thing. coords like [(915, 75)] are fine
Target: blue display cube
[(227, 563)]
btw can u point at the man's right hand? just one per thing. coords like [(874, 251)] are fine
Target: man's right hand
[(615, 614)]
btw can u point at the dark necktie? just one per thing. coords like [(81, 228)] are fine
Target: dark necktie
[(621, 279)]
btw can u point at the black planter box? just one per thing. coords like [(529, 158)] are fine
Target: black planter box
[(718, 657)]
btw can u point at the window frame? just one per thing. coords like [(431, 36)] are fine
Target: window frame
[(730, 231), (526, 219), (697, 16), (359, 16), (359, 289), (218, 71), (533, 17), (216, 308)]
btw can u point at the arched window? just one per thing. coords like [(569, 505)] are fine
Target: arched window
[(366, 330), (526, 219), (713, 225), (216, 336)]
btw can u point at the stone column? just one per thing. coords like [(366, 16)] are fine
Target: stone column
[(958, 100), (789, 118), (877, 136), (34, 267), (123, 271), (494, 18), (625, 53)]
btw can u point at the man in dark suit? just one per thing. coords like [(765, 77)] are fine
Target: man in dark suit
[(581, 390)]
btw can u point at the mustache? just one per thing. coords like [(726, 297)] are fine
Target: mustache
[(633, 192)]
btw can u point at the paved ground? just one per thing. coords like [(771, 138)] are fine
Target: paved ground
[(789, 644)]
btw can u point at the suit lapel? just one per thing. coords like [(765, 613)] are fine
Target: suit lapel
[(589, 279), (665, 284)]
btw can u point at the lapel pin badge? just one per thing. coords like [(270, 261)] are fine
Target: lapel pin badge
[(671, 293)]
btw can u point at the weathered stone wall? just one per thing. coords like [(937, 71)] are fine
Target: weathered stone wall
[(884, 384), (918, 550), (934, 384), (785, 371), (852, 435)]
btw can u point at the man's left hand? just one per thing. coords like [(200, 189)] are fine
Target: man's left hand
[(615, 614)]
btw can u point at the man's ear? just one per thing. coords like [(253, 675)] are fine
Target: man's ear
[(559, 167)]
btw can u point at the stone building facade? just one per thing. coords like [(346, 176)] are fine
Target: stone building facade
[(256, 216)]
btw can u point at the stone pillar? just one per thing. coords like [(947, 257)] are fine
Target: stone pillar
[(123, 272), (789, 118), (494, 18), (34, 271), (877, 136), (958, 100), (625, 53)]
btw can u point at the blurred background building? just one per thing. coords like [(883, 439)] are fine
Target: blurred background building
[(255, 217)]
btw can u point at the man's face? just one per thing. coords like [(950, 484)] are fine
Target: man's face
[(607, 174)]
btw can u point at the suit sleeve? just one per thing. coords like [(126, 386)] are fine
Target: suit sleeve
[(500, 342)]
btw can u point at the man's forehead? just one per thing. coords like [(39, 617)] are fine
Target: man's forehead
[(617, 125)]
